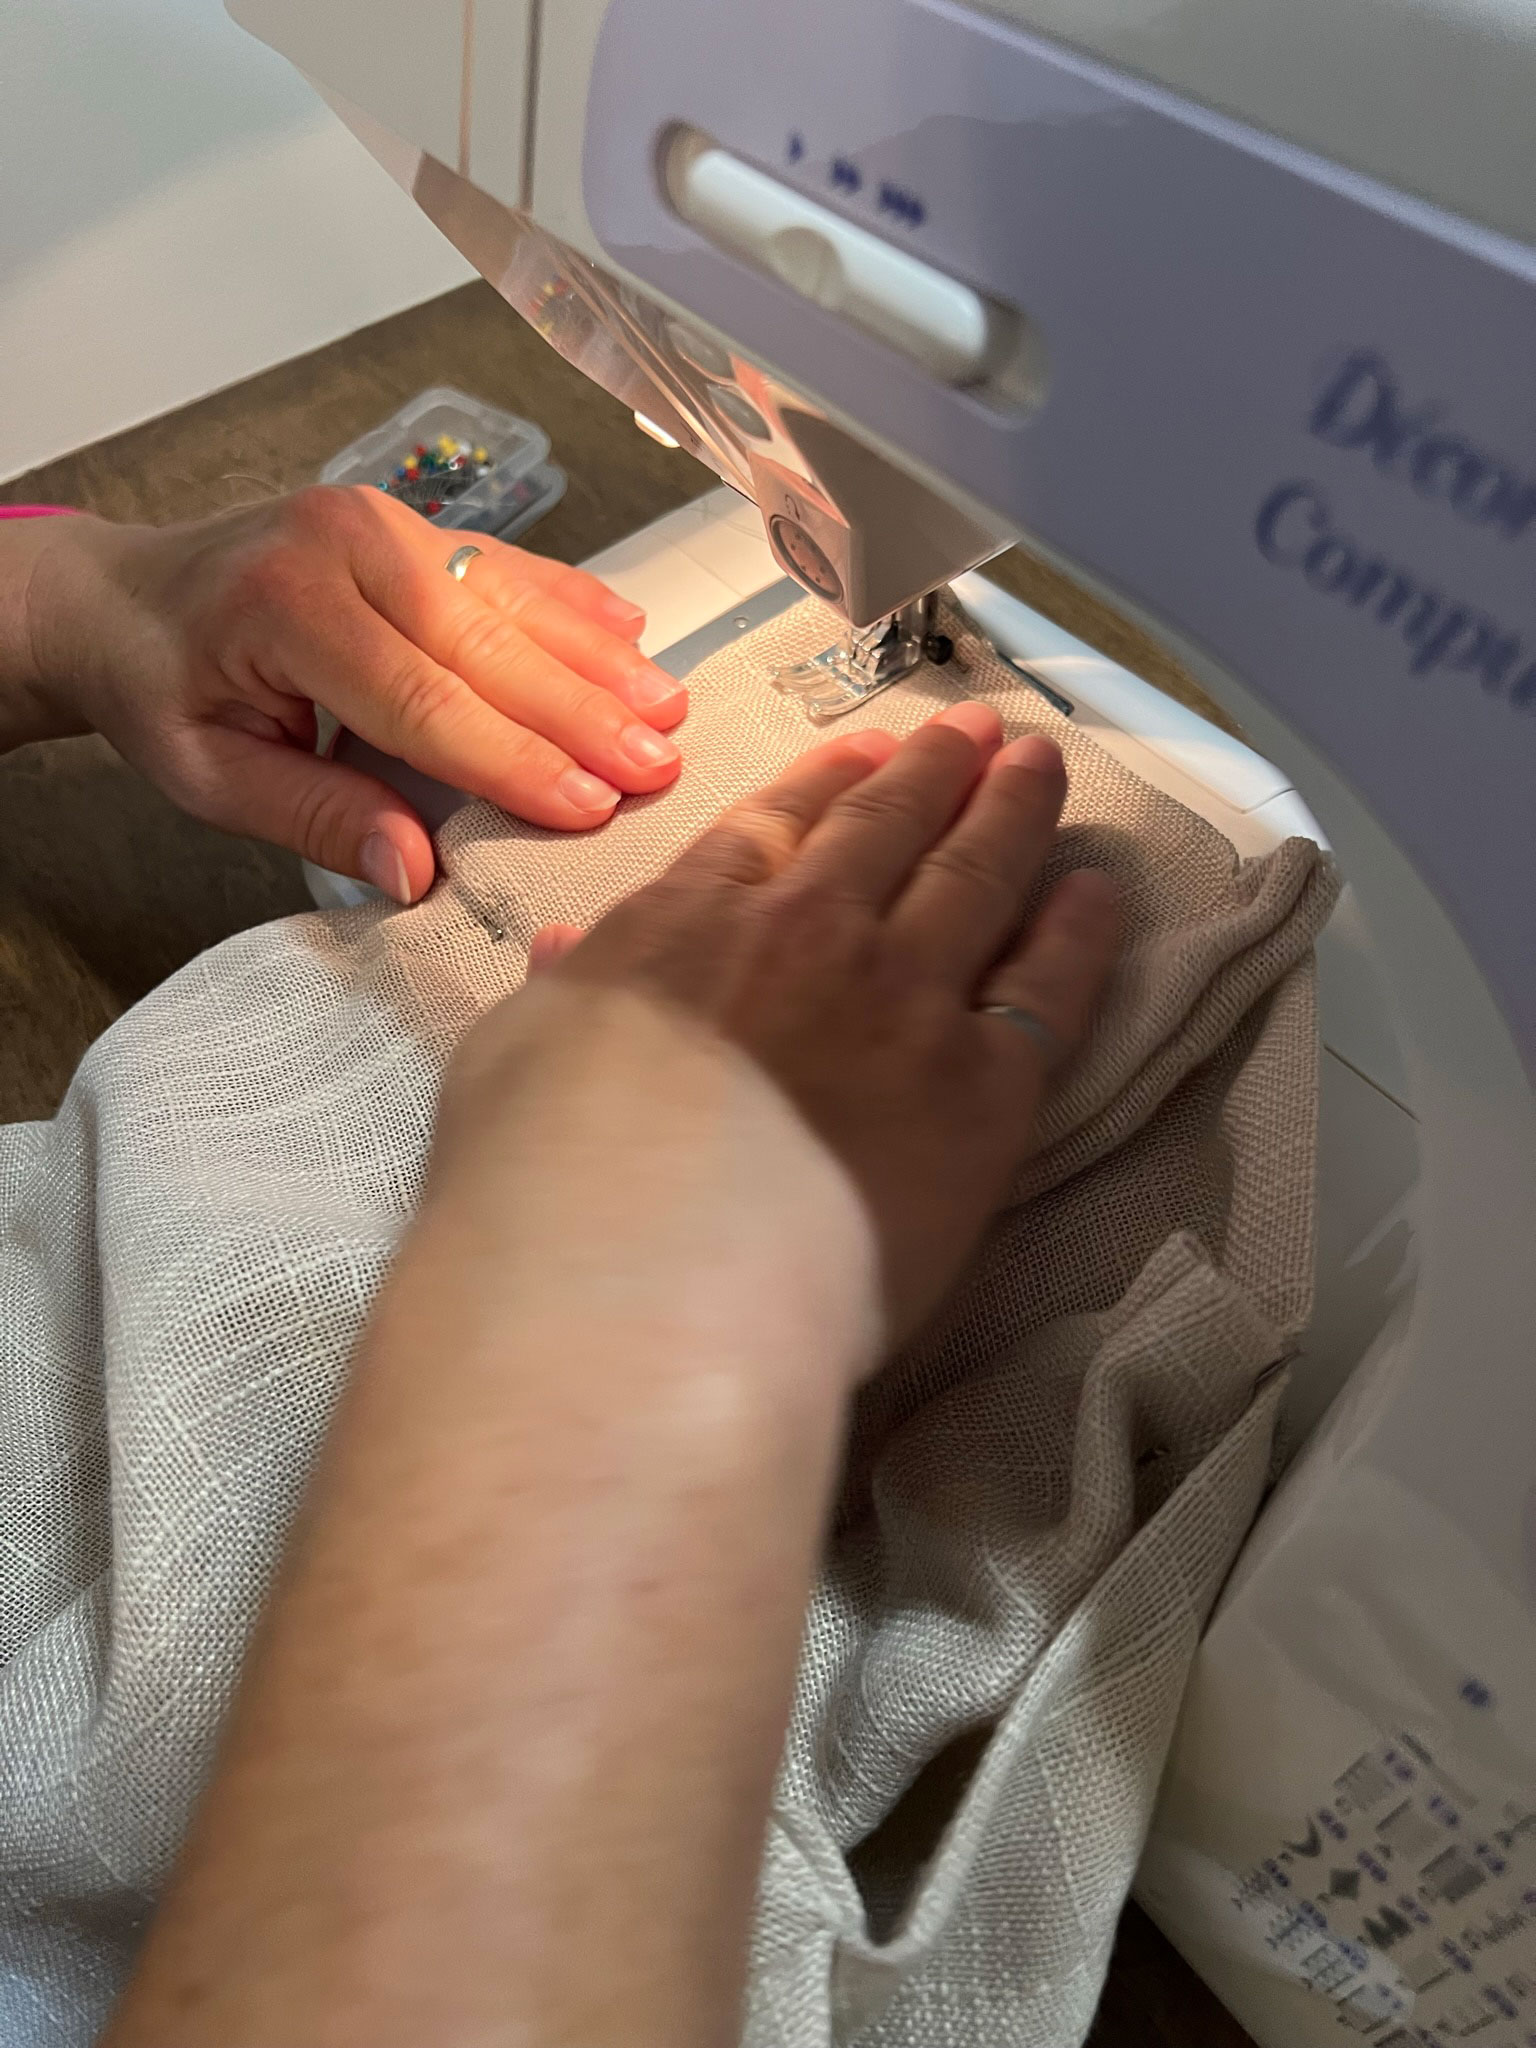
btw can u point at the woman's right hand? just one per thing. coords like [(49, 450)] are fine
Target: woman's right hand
[(836, 935)]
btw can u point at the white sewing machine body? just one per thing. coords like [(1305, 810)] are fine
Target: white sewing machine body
[(1247, 351)]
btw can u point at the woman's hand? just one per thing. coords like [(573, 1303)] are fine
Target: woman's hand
[(839, 930), (201, 651)]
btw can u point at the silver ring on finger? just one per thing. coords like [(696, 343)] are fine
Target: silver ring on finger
[(458, 562), (1032, 1026)]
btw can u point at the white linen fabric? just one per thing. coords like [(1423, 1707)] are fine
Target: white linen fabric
[(1042, 1494)]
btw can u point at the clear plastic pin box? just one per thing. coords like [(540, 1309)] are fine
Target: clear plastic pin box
[(504, 482)]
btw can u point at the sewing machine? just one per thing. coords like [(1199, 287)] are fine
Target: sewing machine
[(1228, 310)]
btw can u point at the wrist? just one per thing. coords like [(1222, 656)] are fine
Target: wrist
[(58, 594), (28, 709), (613, 1377), (749, 1334), (643, 1183)]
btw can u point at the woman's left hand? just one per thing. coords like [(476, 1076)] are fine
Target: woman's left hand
[(201, 652)]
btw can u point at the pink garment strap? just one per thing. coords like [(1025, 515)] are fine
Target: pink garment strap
[(35, 511)]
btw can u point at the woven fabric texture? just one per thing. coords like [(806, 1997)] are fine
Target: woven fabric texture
[(1041, 1498)]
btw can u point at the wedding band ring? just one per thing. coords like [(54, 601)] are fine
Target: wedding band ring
[(1026, 1021), (460, 560)]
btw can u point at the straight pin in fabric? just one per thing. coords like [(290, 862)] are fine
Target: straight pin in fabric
[(492, 920)]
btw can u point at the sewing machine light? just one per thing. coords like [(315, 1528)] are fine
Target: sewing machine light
[(659, 434)]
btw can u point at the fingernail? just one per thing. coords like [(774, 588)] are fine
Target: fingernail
[(979, 722), (551, 943), (625, 616), (587, 792), (646, 748), (1091, 885), (1034, 751), (383, 865), (650, 686)]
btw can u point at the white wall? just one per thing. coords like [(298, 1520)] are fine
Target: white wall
[(177, 210)]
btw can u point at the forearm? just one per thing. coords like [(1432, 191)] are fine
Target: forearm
[(501, 1768)]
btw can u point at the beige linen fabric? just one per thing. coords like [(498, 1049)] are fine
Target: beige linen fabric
[(1042, 1494)]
